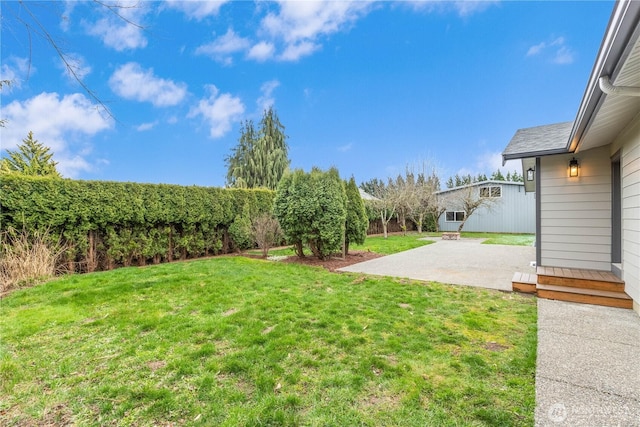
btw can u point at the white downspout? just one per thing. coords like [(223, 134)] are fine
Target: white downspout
[(609, 89)]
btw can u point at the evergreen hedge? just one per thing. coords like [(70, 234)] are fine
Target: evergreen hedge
[(110, 224)]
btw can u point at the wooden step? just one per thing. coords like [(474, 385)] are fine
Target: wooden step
[(524, 282), (578, 278), (585, 296)]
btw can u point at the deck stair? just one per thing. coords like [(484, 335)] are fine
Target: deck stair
[(574, 285)]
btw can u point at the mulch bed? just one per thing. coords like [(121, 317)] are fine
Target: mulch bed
[(334, 263)]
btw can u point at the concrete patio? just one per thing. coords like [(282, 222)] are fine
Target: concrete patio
[(460, 262)]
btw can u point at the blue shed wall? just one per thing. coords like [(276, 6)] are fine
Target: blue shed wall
[(514, 213)]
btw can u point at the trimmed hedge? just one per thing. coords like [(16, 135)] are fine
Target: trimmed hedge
[(111, 224)]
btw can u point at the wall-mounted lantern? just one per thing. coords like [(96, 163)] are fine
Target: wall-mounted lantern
[(573, 168), (531, 173)]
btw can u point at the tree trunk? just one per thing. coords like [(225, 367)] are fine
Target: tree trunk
[(91, 255), (345, 243)]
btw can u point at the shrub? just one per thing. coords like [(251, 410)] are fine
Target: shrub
[(28, 258), (110, 224), (240, 230), (311, 209), (357, 220), (266, 232)]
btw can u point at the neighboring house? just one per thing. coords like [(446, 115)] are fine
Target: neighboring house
[(586, 173), (366, 196), (510, 208)]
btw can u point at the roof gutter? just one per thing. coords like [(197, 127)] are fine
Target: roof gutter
[(622, 28), (607, 87), (540, 153)]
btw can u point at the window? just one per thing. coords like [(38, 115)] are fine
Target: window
[(454, 216), (491, 191)]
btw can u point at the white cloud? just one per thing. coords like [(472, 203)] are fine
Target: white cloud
[(224, 46), (293, 52), (124, 32), (261, 51), (130, 81), (65, 19), (218, 111), (196, 9), (77, 64), (489, 162), (62, 124), (563, 55), (300, 24), (266, 100), (146, 126), (345, 148), (536, 49), (16, 70), (463, 8), (555, 51)]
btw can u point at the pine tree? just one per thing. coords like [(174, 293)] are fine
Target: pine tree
[(261, 157), (31, 158), (239, 167), (497, 176), (450, 183), (357, 220)]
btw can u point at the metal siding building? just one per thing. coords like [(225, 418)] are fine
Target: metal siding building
[(515, 211)]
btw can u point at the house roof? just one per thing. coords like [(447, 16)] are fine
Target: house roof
[(601, 117), (538, 141), (475, 184), (366, 196)]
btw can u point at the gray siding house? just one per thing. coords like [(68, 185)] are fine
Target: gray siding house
[(511, 210), (587, 172)]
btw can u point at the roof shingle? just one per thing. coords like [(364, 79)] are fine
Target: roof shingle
[(538, 141)]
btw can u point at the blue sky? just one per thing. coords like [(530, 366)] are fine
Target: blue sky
[(367, 87)]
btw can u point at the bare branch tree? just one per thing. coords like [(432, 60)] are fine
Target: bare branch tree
[(266, 232), (385, 202), (470, 199), (422, 184), (24, 15)]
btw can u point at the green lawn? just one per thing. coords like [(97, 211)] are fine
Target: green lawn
[(392, 244), (497, 238), (236, 341)]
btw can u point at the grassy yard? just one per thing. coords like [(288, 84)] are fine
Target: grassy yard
[(497, 238), (237, 341), (392, 244)]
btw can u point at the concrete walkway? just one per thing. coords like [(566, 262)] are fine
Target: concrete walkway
[(588, 360), (588, 365), (459, 262)]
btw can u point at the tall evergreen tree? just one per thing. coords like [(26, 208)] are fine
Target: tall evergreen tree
[(239, 166), (357, 220), (497, 176), (261, 157), (31, 158), (311, 209)]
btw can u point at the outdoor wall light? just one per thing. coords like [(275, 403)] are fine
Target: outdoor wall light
[(573, 168), (530, 174)]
